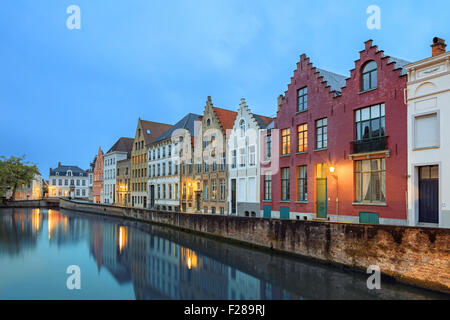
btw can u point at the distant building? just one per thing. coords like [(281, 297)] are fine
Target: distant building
[(164, 164), (90, 173), (33, 191), (123, 183), (97, 187), (244, 168), (68, 181), (119, 151), (146, 133), (428, 139)]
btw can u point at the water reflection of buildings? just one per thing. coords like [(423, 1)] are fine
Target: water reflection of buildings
[(19, 229), (160, 268)]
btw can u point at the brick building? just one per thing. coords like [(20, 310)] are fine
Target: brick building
[(343, 144)]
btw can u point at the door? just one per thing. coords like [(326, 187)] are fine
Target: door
[(321, 202), (233, 196), (198, 199), (429, 194), (267, 212), (152, 196)]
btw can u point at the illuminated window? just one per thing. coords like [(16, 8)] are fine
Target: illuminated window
[(302, 134), (285, 141)]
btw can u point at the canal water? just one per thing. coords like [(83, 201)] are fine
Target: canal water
[(121, 259)]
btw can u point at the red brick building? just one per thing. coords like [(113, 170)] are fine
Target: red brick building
[(342, 144), (97, 188)]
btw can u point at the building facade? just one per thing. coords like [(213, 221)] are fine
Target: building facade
[(244, 168), (119, 151), (428, 145), (146, 133), (123, 183), (164, 159), (97, 188), (32, 191), (68, 181), (342, 144), (204, 180)]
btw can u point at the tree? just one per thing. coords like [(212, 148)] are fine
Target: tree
[(15, 172)]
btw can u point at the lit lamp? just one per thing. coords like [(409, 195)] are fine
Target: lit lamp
[(332, 169)]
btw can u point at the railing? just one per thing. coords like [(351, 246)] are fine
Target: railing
[(369, 145)]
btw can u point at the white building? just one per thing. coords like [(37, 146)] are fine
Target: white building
[(244, 168), (33, 191), (164, 165), (429, 139), (68, 181), (121, 150)]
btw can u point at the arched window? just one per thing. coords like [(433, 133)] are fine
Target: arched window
[(369, 76), (208, 122), (242, 127)]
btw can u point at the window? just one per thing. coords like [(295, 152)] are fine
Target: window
[(222, 189), (164, 191), (242, 158), (285, 142), (206, 164), (302, 134), (285, 196), (252, 156), (426, 131), (370, 122), (223, 162), (302, 99), (234, 159), (213, 189), (205, 191), (321, 134), (268, 187), (268, 153), (302, 183), (370, 181), (214, 164), (369, 76), (242, 127)]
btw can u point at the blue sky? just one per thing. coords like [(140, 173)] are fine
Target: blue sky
[(64, 93)]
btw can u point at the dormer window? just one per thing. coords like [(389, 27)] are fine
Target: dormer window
[(57, 173), (69, 173), (369, 76)]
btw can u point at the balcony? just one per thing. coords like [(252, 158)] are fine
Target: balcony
[(369, 145)]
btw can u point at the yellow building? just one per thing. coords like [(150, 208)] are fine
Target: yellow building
[(146, 133)]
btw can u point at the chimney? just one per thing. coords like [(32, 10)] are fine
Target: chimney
[(438, 46), (59, 164)]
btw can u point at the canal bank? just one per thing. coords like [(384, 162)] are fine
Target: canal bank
[(411, 255)]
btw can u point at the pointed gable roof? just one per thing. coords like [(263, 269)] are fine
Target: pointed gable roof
[(122, 145), (153, 130), (226, 117)]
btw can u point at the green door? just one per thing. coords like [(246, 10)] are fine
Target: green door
[(284, 212), (267, 212), (321, 203)]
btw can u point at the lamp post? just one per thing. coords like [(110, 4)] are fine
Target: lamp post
[(334, 175)]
